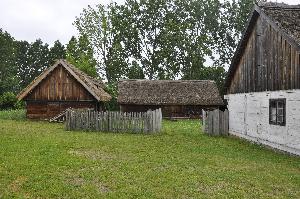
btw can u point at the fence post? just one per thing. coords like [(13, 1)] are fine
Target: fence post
[(67, 120)]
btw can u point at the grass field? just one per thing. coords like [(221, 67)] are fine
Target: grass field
[(41, 160)]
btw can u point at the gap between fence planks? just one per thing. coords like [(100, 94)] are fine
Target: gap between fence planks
[(112, 121)]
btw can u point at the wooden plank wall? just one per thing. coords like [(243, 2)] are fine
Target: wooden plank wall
[(215, 122), (269, 62), (60, 85), (143, 122)]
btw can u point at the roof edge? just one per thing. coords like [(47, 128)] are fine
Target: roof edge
[(36, 81), (79, 80), (46, 72), (256, 12)]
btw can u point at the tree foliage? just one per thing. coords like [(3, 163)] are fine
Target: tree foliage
[(58, 51), (80, 54), (21, 62), (100, 26), (8, 79), (164, 39)]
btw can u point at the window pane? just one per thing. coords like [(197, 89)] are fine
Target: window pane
[(273, 111), (280, 111), (277, 111), (280, 119), (273, 104), (273, 118), (280, 104)]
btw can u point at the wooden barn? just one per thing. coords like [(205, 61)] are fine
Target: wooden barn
[(59, 87), (176, 98), (263, 83)]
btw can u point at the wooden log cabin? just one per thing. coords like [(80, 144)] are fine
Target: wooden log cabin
[(176, 98), (263, 82), (59, 87)]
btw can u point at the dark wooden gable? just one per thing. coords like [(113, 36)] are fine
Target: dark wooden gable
[(267, 59), (59, 85)]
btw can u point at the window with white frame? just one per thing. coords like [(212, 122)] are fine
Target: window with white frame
[(277, 111)]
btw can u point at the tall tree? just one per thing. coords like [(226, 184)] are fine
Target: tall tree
[(233, 17), (80, 54), (101, 26), (8, 69), (37, 58), (32, 60), (22, 63), (165, 39), (58, 51)]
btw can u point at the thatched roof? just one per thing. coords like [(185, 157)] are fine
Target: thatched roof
[(93, 86), (169, 92), (287, 17)]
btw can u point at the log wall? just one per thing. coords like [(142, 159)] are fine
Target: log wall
[(46, 110)]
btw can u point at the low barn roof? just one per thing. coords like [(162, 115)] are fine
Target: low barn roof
[(93, 86), (169, 92)]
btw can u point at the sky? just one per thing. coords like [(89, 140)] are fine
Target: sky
[(48, 20)]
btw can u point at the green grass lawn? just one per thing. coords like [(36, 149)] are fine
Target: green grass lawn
[(41, 160)]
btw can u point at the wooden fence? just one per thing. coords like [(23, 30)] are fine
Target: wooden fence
[(215, 122), (112, 121)]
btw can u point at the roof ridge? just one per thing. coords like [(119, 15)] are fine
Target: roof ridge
[(276, 5), (170, 80), (167, 92)]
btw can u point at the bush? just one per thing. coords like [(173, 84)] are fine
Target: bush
[(112, 105), (8, 100), (19, 105)]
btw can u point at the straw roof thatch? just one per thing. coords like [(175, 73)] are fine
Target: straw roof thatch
[(169, 92), (287, 17), (93, 86)]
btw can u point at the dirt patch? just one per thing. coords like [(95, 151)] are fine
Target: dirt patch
[(102, 188), (78, 181), (209, 189), (16, 185)]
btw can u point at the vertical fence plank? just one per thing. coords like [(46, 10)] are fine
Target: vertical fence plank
[(215, 122), (135, 122)]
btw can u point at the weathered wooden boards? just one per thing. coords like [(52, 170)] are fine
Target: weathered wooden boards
[(215, 122), (269, 62), (112, 121)]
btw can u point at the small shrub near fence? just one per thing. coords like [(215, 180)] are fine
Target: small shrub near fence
[(112, 121)]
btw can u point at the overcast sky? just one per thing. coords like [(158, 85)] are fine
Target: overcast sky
[(49, 20)]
